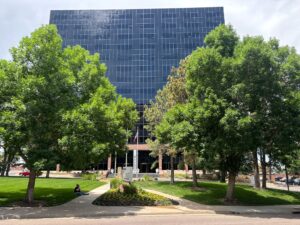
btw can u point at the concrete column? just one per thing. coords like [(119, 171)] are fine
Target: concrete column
[(57, 167), (109, 163), (160, 163), (186, 168)]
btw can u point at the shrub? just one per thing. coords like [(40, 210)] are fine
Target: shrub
[(212, 177), (180, 165), (89, 176), (130, 189), (114, 197), (243, 179), (182, 176), (39, 173), (147, 178), (115, 183)]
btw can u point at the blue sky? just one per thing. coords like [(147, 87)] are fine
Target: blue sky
[(270, 18)]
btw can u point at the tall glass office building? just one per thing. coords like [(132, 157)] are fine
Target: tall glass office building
[(139, 46)]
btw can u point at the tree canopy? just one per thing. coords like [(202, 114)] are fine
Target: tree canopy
[(62, 104), (242, 96)]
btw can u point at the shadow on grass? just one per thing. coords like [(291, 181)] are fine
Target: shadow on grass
[(213, 193), (211, 196), (50, 196), (250, 196), (50, 191)]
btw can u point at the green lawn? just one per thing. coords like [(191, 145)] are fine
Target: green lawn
[(52, 191), (213, 193)]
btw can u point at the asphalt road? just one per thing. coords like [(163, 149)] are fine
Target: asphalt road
[(202, 219)]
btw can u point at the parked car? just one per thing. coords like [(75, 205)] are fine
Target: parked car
[(278, 178), (282, 179), (290, 180), (24, 173), (27, 173), (297, 181)]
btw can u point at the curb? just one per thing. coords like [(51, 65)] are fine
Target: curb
[(93, 215), (186, 212)]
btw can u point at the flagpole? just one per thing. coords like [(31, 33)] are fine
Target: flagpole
[(126, 156), (137, 139), (115, 163), (137, 151)]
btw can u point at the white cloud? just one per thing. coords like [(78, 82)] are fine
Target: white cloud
[(270, 18)]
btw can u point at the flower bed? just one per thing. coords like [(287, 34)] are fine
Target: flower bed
[(115, 197)]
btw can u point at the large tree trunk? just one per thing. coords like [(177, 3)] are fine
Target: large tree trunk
[(287, 179), (222, 168), (8, 163), (48, 174), (4, 162), (230, 189), (30, 187), (263, 169), (222, 176), (172, 181), (256, 170), (195, 184), (7, 170), (270, 169), (2, 172), (204, 171), (2, 169)]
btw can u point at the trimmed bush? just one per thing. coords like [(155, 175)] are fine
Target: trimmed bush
[(130, 189), (147, 178), (142, 198), (180, 165), (115, 183), (89, 176)]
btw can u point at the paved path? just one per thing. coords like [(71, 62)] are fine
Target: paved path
[(189, 206), (282, 186), (82, 207), (202, 219)]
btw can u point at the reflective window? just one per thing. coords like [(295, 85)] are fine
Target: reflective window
[(138, 46)]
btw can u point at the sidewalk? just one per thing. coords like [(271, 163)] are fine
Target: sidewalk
[(82, 207), (192, 207)]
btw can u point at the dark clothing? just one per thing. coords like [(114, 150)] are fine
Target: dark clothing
[(77, 189)]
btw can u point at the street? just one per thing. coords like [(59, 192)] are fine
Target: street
[(202, 219)]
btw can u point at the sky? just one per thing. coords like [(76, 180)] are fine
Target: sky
[(270, 18)]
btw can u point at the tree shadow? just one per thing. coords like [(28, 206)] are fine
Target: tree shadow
[(51, 196), (250, 202), (80, 207)]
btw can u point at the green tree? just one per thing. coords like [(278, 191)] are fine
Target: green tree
[(65, 104), (212, 77), (41, 96), (95, 129), (173, 92), (245, 90), (265, 88), (10, 126), (176, 129)]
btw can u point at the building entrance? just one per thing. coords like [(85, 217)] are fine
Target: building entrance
[(145, 161)]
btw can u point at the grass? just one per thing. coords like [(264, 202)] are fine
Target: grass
[(213, 193), (52, 191)]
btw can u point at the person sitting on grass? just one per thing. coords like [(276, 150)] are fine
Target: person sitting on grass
[(77, 190)]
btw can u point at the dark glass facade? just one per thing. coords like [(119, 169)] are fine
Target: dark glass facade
[(139, 46)]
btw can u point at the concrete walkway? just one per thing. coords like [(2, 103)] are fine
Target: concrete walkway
[(193, 207), (82, 207)]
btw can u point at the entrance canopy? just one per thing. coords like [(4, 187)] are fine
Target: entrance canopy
[(141, 147)]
